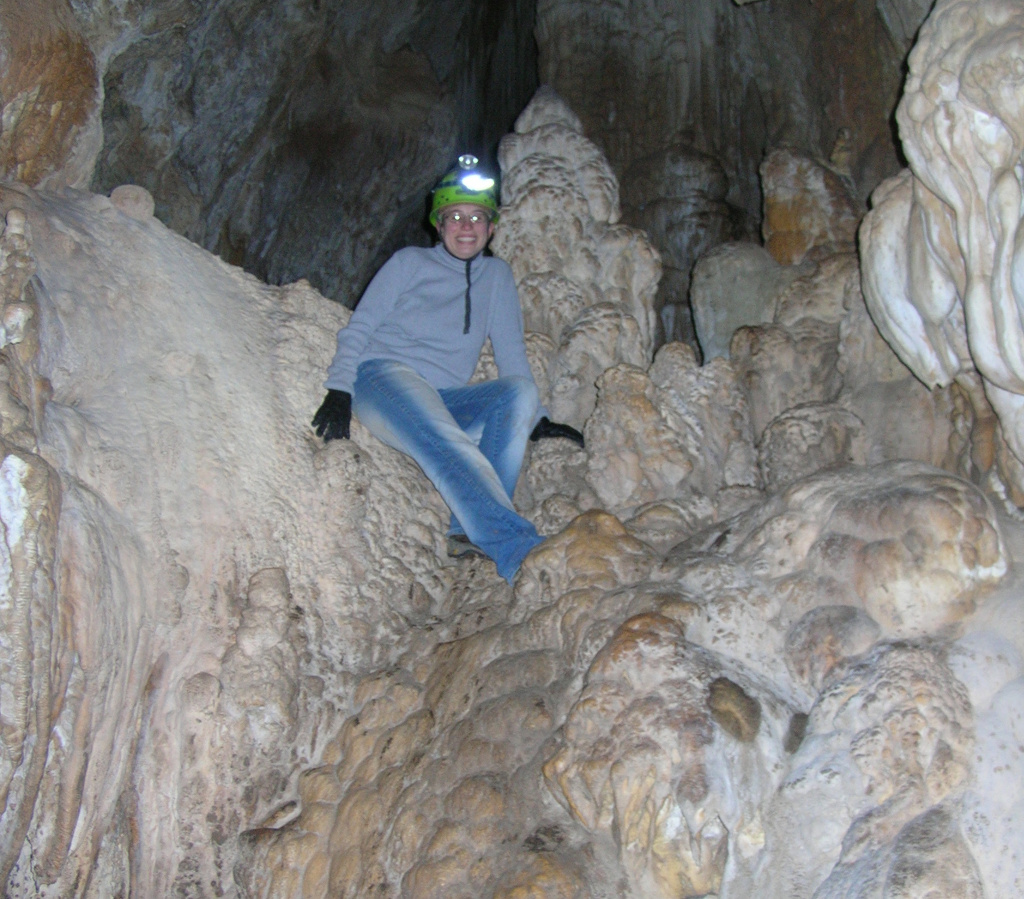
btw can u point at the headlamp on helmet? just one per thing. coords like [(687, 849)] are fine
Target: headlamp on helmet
[(465, 184)]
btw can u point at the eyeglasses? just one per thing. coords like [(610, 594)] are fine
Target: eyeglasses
[(457, 218)]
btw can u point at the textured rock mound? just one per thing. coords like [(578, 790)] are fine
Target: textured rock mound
[(629, 722), (820, 386), (808, 209)]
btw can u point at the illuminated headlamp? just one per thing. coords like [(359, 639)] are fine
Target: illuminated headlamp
[(473, 180)]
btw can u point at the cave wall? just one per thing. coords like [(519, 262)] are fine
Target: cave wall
[(733, 80), (688, 97), (297, 139), (49, 96)]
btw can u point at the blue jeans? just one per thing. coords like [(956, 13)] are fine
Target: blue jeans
[(469, 441)]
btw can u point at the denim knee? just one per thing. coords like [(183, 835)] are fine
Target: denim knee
[(525, 396)]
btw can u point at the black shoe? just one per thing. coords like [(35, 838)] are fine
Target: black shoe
[(459, 547)]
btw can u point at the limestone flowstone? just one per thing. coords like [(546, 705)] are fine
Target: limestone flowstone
[(942, 248), (886, 752), (822, 387), (669, 748), (734, 284), (199, 604)]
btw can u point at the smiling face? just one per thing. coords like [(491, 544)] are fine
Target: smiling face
[(461, 236)]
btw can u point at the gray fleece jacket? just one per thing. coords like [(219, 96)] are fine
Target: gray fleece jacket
[(414, 311)]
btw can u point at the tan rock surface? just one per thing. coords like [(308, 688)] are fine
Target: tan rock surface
[(185, 569), (886, 751), (808, 209), (669, 758), (735, 284), (675, 431), (50, 97), (822, 386)]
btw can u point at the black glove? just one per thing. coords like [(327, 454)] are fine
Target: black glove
[(548, 428), (332, 418)]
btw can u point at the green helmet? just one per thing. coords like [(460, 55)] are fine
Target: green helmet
[(459, 186)]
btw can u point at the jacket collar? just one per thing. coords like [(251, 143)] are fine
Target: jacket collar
[(454, 262)]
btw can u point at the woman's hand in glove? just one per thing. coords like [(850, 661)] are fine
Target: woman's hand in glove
[(332, 418), (548, 428)]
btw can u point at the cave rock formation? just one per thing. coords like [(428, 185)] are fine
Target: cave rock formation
[(772, 645), (944, 243)]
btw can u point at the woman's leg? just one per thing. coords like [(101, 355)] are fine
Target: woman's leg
[(401, 409), (497, 416)]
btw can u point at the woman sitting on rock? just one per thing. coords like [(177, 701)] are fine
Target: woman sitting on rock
[(404, 361)]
